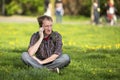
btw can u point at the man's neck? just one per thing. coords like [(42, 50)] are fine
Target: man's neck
[(46, 35)]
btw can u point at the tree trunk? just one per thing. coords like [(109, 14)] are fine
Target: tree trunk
[(3, 7), (92, 15), (52, 2)]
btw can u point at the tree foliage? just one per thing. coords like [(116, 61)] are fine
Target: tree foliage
[(83, 7), (36, 7), (77, 7), (23, 7)]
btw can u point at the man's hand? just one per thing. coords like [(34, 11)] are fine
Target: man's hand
[(33, 49), (41, 32), (49, 59), (38, 60)]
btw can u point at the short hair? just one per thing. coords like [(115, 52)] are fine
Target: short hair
[(42, 18)]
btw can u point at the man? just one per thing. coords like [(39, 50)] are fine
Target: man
[(45, 48)]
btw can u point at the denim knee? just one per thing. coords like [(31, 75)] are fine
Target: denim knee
[(66, 58), (24, 56)]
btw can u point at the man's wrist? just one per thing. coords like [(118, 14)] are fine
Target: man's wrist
[(40, 38), (41, 62)]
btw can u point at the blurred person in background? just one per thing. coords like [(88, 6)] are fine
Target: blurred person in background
[(111, 16), (48, 7), (96, 11), (59, 11)]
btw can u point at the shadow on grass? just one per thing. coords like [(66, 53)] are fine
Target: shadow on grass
[(13, 56), (80, 66)]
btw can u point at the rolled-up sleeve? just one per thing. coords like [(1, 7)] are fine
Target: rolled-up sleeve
[(58, 46), (33, 40)]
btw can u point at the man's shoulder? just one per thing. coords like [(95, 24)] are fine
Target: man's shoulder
[(55, 33), (35, 34)]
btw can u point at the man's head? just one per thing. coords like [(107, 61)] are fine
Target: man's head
[(45, 22)]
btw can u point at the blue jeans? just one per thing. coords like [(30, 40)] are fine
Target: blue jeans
[(60, 62), (96, 17), (58, 17)]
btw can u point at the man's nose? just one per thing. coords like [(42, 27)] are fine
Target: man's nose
[(49, 27)]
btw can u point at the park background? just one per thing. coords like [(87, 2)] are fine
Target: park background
[(94, 49), (36, 7)]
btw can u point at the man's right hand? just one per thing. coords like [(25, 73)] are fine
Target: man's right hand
[(41, 32)]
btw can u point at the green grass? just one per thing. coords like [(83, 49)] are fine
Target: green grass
[(75, 18), (94, 52)]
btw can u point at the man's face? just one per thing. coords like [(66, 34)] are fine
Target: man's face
[(47, 25)]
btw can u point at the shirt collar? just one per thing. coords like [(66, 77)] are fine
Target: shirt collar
[(49, 37)]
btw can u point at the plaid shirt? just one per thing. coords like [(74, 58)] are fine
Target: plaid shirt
[(47, 47)]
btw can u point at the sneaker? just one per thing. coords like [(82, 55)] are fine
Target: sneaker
[(57, 70)]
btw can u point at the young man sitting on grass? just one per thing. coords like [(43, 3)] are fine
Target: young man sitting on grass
[(45, 48)]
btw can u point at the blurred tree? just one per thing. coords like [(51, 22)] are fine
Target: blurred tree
[(24, 7), (83, 7), (92, 15), (77, 7), (32, 7), (53, 3), (3, 7), (36, 7), (13, 8)]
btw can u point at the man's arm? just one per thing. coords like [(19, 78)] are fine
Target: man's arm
[(33, 49), (49, 59)]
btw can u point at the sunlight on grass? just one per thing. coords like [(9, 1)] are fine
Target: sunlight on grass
[(94, 52)]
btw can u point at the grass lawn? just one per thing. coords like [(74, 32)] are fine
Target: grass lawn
[(94, 52)]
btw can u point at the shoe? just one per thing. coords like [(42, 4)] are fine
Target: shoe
[(57, 70)]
